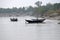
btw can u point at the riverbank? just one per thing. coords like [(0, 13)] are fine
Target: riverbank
[(53, 18), (18, 15), (11, 14)]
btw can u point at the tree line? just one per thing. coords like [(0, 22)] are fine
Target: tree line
[(48, 8), (16, 10)]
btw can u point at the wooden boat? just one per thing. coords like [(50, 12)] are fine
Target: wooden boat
[(13, 19), (35, 21)]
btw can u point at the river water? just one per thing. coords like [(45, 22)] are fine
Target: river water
[(48, 30)]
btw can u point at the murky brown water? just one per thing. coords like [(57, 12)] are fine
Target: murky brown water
[(48, 30)]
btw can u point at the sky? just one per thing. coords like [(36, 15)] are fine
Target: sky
[(23, 3)]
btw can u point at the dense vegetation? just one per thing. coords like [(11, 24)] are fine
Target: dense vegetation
[(42, 10), (17, 10), (48, 9)]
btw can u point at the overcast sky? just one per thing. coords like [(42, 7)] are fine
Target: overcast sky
[(25, 3)]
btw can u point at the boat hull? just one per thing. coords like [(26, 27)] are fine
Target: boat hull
[(35, 21)]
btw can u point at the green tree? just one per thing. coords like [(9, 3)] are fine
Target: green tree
[(56, 6)]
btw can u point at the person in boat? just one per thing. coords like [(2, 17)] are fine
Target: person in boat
[(13, 19)]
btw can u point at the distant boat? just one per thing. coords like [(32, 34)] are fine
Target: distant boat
[(35, 20), (13, 19)]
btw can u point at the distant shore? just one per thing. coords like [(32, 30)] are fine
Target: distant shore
[(11, 15), (18, 15), (53, 18)]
